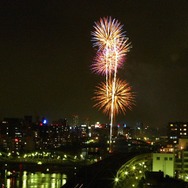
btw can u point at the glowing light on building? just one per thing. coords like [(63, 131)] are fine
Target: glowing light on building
[(44, 121)]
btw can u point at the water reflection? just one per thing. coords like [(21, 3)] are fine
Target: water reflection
[(35, 180), (29, 173)]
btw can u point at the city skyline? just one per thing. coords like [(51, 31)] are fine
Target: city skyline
[(46, 56)]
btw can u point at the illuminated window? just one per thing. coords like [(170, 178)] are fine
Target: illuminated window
[(184, 129), (185, 125), (173, 137)]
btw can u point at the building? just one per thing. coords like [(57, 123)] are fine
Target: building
[(181, 165), (163, 162), (12, 134), (157, 180), (177, 130)]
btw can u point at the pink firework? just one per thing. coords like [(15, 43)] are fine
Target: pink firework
[(103, 62)]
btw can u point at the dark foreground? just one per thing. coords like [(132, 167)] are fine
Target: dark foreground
[(100, 174)]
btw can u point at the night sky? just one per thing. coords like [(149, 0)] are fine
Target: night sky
[(46, 53)]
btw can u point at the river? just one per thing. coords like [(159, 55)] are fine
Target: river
[(35, 176), (36, 180)]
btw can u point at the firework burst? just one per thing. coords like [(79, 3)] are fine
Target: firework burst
[(123, 97), (103, 65), (113, 46), (106, 30)]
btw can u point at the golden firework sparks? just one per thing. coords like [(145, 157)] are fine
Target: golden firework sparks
[(106, 31), (123, 97)]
